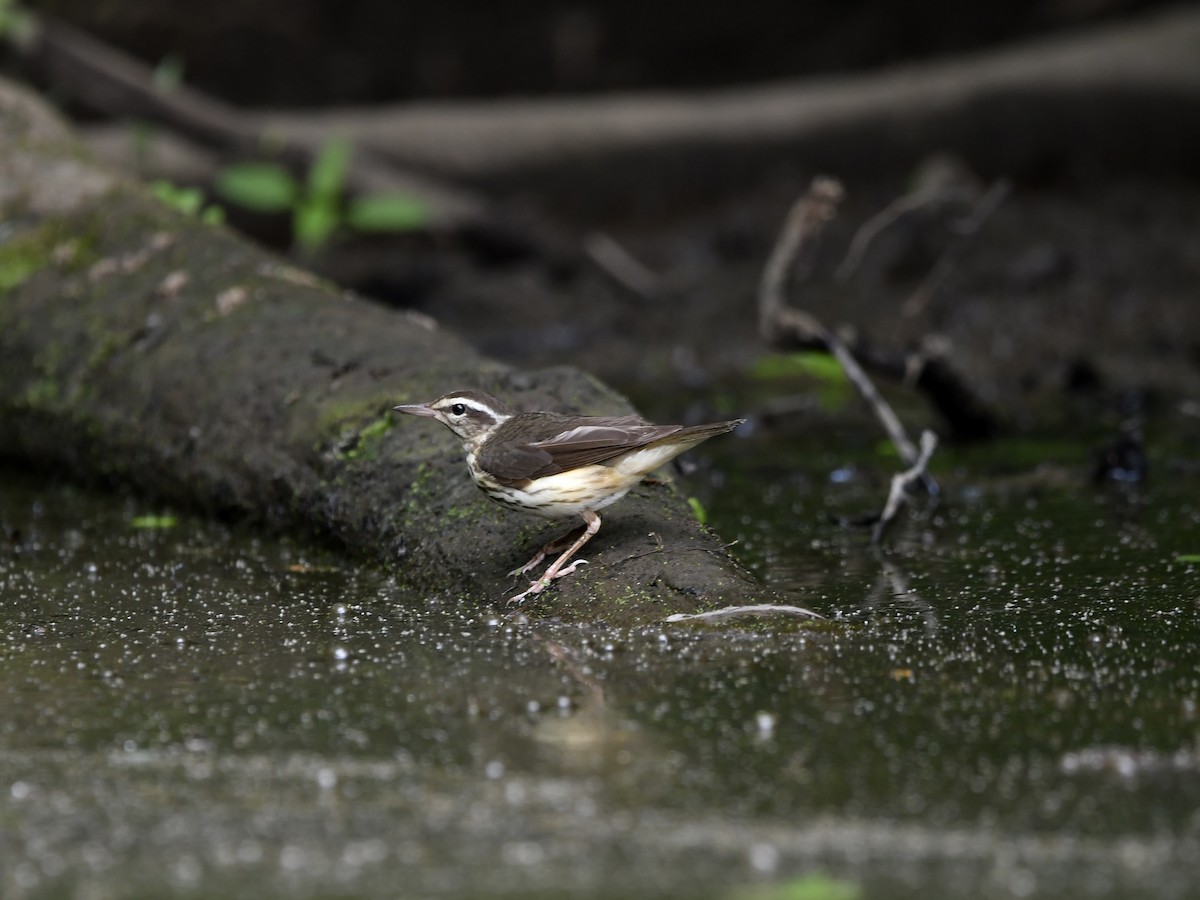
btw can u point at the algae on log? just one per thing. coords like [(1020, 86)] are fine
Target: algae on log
[(145, 347)]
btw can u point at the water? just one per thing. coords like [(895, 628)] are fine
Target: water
[(1001, 703)]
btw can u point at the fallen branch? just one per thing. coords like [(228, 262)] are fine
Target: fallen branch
[(1093, 94), (106, 79)]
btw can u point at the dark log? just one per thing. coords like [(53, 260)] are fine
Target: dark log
[(144, 347)]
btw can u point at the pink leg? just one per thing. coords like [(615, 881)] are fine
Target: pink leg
[(556, 569), (554, 546)]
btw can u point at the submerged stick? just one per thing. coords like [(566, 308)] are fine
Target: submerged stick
[(901, 482), (758, 609)]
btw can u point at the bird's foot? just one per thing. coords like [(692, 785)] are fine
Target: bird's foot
[(529, 566), (536, 588), (544, 582), (555, 546)]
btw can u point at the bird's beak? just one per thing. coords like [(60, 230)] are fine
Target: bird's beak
[(416, 409)]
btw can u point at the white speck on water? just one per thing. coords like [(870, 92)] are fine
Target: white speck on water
[(764, 723)]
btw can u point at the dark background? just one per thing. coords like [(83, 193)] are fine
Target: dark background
[(310, 52)]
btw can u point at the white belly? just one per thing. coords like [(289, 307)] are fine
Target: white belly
[(587, 489), (564, 495)]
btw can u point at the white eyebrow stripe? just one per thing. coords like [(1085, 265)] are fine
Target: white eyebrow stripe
[(475, 405)]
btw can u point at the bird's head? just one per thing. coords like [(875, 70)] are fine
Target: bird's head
[(471, 415)]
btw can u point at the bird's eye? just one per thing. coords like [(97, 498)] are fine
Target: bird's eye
[(458, 409)]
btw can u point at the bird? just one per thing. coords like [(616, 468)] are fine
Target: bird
[(557, 465)]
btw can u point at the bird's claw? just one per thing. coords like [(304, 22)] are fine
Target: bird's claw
[(544, 582), (571, 568), (536, 588)]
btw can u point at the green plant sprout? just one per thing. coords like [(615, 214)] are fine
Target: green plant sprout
[(189, 201), (316, 204)]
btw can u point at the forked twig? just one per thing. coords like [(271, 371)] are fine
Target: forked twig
[(780, 322)]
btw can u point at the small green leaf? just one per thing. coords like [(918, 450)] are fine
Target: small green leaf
[(386, 212), (314, 222), (262, 187), (1188, 558), (154, 522), (328, 173), (698, 510), (186, 200)]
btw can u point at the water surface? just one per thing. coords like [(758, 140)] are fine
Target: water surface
[(1002, 702)]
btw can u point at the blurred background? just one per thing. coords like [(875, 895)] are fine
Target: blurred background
[(313, 53)]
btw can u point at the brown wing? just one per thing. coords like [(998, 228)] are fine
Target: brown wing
[(529, 447), (586, 445), (526, 447)]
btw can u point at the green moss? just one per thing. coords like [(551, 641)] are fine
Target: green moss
[(105, 344), (420, 480), (41, 393), (54, 243), (365, 441), (337, 412)]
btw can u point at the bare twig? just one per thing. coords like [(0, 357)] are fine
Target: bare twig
[(758, 609), (893, 213), (788, 327), (778, 320), (621, 266), (901, 482), (805, 222)]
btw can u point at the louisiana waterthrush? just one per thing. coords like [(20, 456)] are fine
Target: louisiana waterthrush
[(555, 465)]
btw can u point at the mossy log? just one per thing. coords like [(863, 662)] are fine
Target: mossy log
[(142, 346)]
